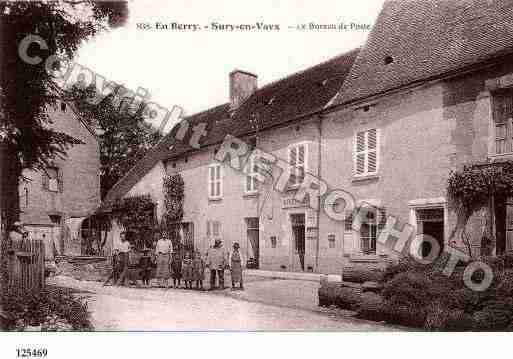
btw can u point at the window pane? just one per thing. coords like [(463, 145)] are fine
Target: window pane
[(500, 147), (218, 189), (503, 107), (500, 132), (218, 172), (300, 174), (208, 229), (212, 189), (212, 173)]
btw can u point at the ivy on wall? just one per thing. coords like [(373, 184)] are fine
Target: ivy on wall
[(136, 215), (474, 188), (471, 188), (173, 206)]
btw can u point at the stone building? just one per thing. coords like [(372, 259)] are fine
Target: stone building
[(55, 202), (429, 92)]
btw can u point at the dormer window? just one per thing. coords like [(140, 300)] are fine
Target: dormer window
[(388, 60)]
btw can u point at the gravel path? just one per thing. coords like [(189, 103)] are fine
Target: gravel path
[(121, 308)]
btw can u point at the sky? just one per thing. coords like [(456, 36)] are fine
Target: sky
[(190, 68)]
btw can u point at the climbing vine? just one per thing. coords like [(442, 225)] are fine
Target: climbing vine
[(471, 188), (136, 215), (173, 203)]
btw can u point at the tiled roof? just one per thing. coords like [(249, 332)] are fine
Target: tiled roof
[(272, 105), (160, 152), (426, 39)]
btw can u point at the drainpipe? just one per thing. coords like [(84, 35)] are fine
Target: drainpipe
[(319, 157)]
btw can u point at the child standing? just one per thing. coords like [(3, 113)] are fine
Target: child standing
[(116, 268), (176, 270), (145, 265), (198, 265), (187, 271)]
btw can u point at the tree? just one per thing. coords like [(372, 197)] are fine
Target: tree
[(125, 136), (26, 141)]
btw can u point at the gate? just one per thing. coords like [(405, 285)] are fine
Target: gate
[(26, 262)]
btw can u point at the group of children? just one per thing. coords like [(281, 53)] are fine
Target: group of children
[(191, 269)]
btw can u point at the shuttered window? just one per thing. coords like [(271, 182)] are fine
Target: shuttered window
[(214, 181), (297, 161), (366, 152), (503, 115), (251, 183)]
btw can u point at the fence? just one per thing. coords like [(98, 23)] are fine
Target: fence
[(26, 265)]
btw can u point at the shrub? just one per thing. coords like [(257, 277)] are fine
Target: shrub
[(371, 307), (409, 316), (496, 315), (38, 308)]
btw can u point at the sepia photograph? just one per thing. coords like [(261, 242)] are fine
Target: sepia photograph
[(282, 166)]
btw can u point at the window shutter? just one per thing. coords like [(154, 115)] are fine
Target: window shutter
[(360, 153), (301, 155), (45, 180), (60, 181), (360, 142), (292, 156), (372, 162), (208, 229), (360, 163), (371, 139)]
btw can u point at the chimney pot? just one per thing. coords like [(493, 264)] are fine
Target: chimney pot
[(242, 85)]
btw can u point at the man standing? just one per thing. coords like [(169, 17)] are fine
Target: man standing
[(216, 261), (123, 247)]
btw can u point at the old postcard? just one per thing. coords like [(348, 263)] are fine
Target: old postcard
[(177, 166)]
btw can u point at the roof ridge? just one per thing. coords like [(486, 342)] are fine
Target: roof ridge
[(300, 72)]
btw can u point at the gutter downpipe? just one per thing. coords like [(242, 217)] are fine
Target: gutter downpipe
[(319, 155)]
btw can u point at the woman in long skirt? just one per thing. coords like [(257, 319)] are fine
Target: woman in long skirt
[(164, 250)]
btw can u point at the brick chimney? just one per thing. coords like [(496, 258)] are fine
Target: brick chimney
[(242, 85)]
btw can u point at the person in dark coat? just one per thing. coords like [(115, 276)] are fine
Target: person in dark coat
[(176, 270), (198, 265), (187, 271), (236, 262), (146, 266)]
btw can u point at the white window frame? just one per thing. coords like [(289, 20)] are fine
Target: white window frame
[(211, 224), (252, 175), (214, 181), (365, 152), (295, 166)]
